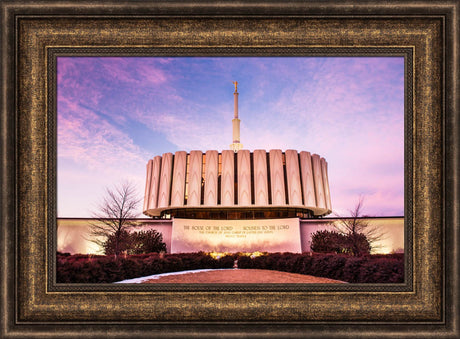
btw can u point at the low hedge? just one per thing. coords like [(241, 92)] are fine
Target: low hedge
[(106, 269), (364, 269)]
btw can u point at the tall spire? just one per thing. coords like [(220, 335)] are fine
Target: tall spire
[(236, 146)]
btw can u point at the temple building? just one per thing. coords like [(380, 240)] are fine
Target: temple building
[(237, 184), (241, 185)]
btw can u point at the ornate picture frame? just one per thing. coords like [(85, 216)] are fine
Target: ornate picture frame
[(33, 305)]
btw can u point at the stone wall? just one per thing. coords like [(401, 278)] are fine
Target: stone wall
[(74, 237)]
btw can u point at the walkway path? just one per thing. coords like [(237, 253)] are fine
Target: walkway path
[(232, 276)]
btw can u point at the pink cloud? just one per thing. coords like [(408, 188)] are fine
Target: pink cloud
[(86, 138)]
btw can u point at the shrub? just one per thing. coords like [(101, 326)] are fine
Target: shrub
[(333, 242), (328, 242), (351, 270), (382, 269), (226, 262), (147, 242), (123, 243), (245, 262), (358, 244), (135, 242), (305, 262)]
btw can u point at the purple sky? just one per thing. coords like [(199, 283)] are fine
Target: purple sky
[(115, 113)]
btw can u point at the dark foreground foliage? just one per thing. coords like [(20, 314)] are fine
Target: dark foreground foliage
[(365, 269), (134, 242), (107, 269), (331, 241), (81, 268)]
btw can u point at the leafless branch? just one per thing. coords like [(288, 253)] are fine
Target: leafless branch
[(357, 224), (114, 214)]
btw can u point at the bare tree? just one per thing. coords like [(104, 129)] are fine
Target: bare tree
[(357, 225), (114, 215)]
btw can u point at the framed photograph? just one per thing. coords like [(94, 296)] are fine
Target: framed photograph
[(114, 112), (38, 42)]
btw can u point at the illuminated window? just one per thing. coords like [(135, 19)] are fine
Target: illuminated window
[(203, 177), (251, 167), (219, 179), (286, 193), (235, 178), (269, 181), (187, 167), (301, 180)]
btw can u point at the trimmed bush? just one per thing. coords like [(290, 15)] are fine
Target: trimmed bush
[(328, 242), (334, 242), (245, 262), (135, 242)]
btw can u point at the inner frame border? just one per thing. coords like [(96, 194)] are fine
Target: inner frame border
[(320, 51)]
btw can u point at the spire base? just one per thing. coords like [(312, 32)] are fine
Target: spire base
[(235, 147)]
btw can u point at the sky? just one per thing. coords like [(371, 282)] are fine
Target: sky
[(116, 113)]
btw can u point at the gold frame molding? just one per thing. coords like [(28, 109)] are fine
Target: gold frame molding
[(426, 305)]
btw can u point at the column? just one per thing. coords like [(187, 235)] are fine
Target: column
[(178, 183), (154, 183), (260, 178), (293, 178), (277, 177), (244, 178), (194, 183), (318, 179), (147, 184), (210, 184), (327, 193), (165, 180), (308, 188), (227, 178)]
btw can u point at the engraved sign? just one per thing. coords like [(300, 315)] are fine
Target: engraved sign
[(264, 235)]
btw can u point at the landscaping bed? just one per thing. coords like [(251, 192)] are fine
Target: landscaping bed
[(107, 269)]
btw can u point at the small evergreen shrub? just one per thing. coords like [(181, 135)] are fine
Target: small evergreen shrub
[(135, 242), (333, 242)]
